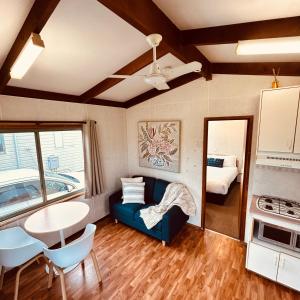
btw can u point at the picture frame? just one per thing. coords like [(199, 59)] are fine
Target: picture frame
[(159, 145)]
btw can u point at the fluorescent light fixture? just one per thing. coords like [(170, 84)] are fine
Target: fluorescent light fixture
[(27, 56), (288, 45)]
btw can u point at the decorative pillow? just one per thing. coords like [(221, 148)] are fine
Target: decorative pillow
[(129, 180), (136, 179), (229, 160), (215, 162), (133, 192)]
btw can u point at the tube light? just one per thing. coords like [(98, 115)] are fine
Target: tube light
[(27, 56), (286, 45)]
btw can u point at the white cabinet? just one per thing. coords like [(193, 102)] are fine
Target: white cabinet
[(289, 271), (278, 117), (273, 264), (262, 260), (297, 136)]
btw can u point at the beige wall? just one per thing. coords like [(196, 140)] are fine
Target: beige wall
[(228, 138), (112, 135), (225, 95)]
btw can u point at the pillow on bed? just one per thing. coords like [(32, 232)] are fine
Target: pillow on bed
[(215, 162), (229, 160)]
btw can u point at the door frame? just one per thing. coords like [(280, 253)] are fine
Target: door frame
[(243, 202)]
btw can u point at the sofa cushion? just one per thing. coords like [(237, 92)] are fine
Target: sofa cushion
[(128, 209), (149, 187), (137, 218), (159, 190)]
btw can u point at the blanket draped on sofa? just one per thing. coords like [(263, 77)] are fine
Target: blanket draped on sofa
[(175, 194)]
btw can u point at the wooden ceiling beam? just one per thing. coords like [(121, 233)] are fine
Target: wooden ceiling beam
[(38, 94), (229, 34), (131, 68), (37, 18), (261, 68), (146, 17), (177, 82)]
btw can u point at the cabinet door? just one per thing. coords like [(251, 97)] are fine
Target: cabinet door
[(278, 117), (289, 271), (297, 137), (262, 260)]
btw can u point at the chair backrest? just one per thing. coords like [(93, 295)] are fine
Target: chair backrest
[(74, 252), (17, 247)]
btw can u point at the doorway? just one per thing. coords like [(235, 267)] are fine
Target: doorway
[(225, 174)]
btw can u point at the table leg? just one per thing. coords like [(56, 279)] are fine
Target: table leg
[(62, 238), (62, 244)]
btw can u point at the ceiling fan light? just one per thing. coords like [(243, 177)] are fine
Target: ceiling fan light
[(287, 45), (30, 52), (155, 79)]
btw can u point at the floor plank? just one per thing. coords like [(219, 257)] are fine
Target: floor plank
[(197, 265)]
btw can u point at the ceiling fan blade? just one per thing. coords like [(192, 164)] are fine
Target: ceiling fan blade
[(124, 76), (171, 73), (161, 86)]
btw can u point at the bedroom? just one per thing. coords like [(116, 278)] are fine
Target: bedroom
[(226, 146)]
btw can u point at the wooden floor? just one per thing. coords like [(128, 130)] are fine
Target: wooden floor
[(197, 265)]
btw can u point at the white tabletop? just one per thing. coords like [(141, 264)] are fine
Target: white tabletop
[(57, 217)]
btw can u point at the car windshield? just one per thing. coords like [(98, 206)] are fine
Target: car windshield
[(62, 176)]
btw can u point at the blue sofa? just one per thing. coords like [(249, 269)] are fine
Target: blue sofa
[(129, 214)]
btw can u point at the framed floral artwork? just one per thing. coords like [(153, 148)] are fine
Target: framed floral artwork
[(159, 145)]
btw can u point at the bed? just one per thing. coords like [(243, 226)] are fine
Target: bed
[(220, 180)]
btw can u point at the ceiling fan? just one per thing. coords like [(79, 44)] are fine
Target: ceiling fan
[(158, 77)]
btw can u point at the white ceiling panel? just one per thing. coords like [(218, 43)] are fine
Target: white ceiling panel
[(190, 14), (12, 16), (84, 42), (134, 86), (226, 54)]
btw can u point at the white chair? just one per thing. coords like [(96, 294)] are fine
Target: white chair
[(18, 249), (72, 254)]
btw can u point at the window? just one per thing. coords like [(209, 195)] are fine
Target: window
[(2, 144), (59, 139), (34, 171)]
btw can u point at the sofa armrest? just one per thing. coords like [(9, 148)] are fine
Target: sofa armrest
[(173, 220), (114, 198)]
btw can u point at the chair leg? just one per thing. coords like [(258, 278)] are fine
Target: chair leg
[(62, 282), (50, 278), (19, 273), (163, 243), (96, 266), (2, 271), (116, 221)]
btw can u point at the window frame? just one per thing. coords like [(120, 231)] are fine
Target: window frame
[(4, 146), (36, 128)]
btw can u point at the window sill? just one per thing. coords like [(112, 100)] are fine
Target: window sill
[(30, 212)]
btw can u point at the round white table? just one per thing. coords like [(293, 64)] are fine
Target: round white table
[(57, 218)]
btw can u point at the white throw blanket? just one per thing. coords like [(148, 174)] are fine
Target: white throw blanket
[(175, 194)]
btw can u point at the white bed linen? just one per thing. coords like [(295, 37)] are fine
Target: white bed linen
[(218, 180)]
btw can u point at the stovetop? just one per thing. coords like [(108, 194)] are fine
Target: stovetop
[(287, 208)]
